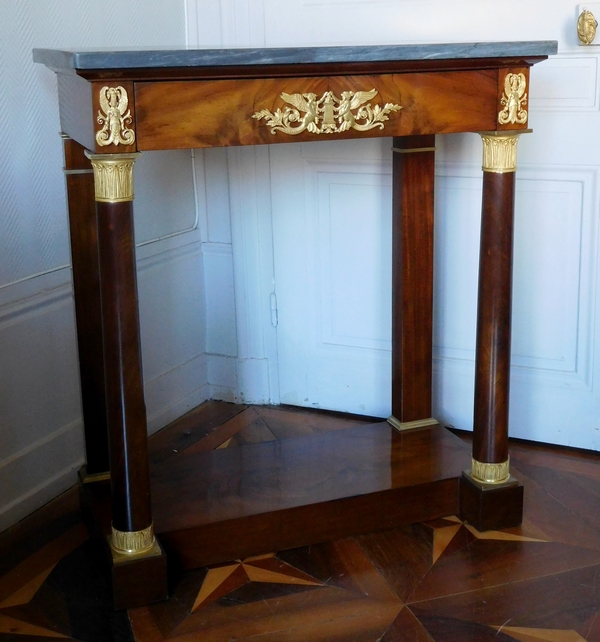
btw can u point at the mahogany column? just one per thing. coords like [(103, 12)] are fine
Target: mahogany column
[(490, 497), (412, 281), (132, 538), (86, 289)]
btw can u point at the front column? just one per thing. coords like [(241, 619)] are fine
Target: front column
[(132, 536), (490, 497)]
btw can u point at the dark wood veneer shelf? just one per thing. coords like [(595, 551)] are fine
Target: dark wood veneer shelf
[(213, 506)]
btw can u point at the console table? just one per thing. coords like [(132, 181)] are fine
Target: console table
[(214, 507)]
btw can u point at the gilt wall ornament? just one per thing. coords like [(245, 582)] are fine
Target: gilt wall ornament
[(586, 27), (327, 115), (513, 100), (114, 118)]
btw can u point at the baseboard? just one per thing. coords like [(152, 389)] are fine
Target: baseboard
[(39, 528), (164, 416)]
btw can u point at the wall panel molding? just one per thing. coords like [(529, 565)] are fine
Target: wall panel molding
[(353, 206), (39, 443), (165, 182), (555, 254), (172, 320), (175, 392), (171, 252), (221, 329), (555, 271), (39, 472), (20, 310), (566, 82), (39, 495)]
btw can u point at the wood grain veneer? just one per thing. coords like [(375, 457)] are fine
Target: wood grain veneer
[(494, 305), (412, 277), (83, 228), (212, 506), (184, 114), (126, 409)]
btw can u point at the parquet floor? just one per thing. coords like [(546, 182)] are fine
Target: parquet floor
[(439, 581)]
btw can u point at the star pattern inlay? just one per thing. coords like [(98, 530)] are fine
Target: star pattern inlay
[(222, 580), (524, 634), (445, 530), (19, 617)]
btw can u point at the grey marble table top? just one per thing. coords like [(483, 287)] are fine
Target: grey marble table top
[(92, 59)]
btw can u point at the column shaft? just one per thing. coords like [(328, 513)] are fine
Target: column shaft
[(86, 289), (124, 385), (494, 306), (126, 411), (492, 360), (412, 280)]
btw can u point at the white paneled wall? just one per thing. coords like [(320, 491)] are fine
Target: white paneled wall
[(40, 426), (40, 418), (316, 190), (351, 22)]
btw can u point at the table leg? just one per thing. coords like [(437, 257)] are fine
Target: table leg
[(490, 497), (139, 567), (86, 290), (412, 281)]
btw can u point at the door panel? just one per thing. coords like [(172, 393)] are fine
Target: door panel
[(331, 224)]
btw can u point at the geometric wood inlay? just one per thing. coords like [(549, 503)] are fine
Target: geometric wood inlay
[(441, 538), (26, 593), (441, 579), (501, 536), (222, 580), (257, 574), (443, 535), (16, 627), (535, 635), (214, 578)]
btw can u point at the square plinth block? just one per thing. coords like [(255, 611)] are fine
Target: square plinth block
[(139, 579), (491, 506)]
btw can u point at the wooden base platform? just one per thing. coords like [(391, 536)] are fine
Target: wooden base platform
[(218, 505), (440, 580)]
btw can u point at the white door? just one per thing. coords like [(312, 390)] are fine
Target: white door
[(331, 230), (331, 227)]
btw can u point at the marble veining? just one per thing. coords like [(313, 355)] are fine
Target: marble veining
[(87, 59)]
